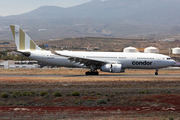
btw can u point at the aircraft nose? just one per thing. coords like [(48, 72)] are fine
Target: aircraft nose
[(173, 62)]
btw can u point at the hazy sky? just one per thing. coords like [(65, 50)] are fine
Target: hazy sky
[(14, 7)]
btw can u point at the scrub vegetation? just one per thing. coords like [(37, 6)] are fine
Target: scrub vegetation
[(90, 97)]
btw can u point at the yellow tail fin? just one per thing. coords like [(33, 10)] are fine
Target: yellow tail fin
[(22, 40)]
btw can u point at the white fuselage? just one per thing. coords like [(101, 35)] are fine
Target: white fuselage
[(128, 60), (114, 62)]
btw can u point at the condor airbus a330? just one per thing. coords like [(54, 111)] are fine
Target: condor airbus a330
[(113, 62)]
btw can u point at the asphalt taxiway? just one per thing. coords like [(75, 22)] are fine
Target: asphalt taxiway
[(101, 75)]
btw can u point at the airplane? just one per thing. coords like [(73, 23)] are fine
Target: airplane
[(112, 62)]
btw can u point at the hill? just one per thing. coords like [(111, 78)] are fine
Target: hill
[(173, 30), (140, 11), (112, 18)]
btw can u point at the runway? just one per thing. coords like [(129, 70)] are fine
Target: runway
[(101, 75)]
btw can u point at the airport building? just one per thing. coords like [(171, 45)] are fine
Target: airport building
[(19, 64)]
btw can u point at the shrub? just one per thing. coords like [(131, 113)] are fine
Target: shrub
[(144, 91), (122, 92), (10, 103), (76, 102), (106, 94), (75, 93), (2, 103), (68, 94), (168, 91), (19, 103), (57, 94), (92, 94), (89, 100), (80, 101), (43, 93), (171, 118), (101, 101), (112, 95), (26, 93), (15, 94), (33, 92), (11, 91), (4, 95), (46, 96)]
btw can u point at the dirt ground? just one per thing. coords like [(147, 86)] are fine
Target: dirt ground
[(97, 97)]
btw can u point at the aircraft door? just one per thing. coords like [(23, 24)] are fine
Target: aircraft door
[(44, 56), (158, 62)]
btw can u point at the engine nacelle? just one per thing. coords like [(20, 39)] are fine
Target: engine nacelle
[(113, 68)]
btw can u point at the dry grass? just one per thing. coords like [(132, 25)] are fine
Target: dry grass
[(41, 71), (85, 79), (122, 99), (76, 75)]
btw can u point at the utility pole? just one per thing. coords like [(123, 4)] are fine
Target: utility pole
[(169, 49)]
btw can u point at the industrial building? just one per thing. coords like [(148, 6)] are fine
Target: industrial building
[(151, 50), (19, 64), (176, 50), (130, 50)]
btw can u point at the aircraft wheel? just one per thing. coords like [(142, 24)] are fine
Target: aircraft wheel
[(87, 73), (95, 73), (156, 73), (92, 73)]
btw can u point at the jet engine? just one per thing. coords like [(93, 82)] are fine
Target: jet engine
[(113, 68)]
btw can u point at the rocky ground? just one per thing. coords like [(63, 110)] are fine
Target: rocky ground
[(103, 97)]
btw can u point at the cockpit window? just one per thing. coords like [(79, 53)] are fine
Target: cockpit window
[(168, 58)]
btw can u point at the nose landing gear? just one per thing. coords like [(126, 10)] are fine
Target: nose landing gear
[(156, 73)]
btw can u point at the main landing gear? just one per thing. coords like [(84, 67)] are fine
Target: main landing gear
[(92, 72), (156, 73)]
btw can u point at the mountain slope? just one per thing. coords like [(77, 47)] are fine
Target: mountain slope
[(140, 11), (113, 18)]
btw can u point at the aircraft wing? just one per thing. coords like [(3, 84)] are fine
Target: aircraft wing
[(81, 60)]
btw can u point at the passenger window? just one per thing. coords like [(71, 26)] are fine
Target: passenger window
[(168, 58)]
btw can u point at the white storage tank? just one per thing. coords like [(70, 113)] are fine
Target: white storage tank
[(130, 50), (151, 50), (176, 50)]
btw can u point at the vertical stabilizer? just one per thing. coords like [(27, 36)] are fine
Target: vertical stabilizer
[(22, 40)]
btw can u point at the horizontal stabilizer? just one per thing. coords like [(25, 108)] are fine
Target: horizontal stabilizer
[(27, 54)]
